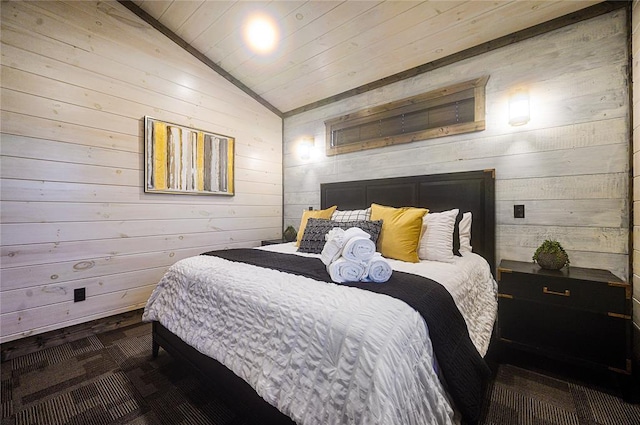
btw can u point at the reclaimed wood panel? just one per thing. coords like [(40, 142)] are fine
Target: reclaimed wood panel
[(586, 186), (42, 128), (20, 147), (603, 159), (33, 233), (41, 295), (607, 239), (76, 80), (251, 193), (24, 277), (46, 253), (495, 141), (20, 212), (28, 321)]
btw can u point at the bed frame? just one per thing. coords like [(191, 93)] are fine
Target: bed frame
[(469, 191)]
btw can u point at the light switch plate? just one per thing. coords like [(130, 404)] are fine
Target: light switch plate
[(518, 211)]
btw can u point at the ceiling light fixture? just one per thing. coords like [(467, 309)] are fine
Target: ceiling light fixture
[(261, 34)]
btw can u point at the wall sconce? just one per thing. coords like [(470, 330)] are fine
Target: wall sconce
[(305, 148), (519, 108)]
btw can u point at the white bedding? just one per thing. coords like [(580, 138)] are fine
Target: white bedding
[(320, 352), (468, 279)]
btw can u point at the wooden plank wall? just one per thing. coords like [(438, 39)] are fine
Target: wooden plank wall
[(569, 165), (635, 51), (77, 79)]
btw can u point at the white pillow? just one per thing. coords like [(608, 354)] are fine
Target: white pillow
[(464, 229), (436, 243), (352, 215)]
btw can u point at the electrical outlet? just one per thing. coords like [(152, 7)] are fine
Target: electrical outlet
[(518, 211), (79, 294)]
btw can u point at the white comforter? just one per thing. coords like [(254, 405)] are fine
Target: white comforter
[(320, 352)]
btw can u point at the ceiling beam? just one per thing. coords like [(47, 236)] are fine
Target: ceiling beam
[(197, 54)]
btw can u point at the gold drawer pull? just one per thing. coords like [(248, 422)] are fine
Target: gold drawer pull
[(566, 292)]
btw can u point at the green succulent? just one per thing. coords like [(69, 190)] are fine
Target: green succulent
[(552, 247)]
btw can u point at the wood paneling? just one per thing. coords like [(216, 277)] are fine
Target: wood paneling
[(569, 165), (327, 48), (77, 79), (635, 62)]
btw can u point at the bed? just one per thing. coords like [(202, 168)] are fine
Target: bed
[(342, 353)]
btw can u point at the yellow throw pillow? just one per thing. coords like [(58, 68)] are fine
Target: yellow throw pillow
[(401, 229), (307, 214)]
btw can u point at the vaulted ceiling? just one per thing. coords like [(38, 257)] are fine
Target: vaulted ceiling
[(328, 48)]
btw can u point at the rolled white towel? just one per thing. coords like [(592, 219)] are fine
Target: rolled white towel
[(353, 232), (333, 247), (378, 269), (343, 270), (359, 248)]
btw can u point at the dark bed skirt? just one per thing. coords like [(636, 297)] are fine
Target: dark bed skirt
[(233, 390)]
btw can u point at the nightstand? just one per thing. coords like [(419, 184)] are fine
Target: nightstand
[(272, 242), (575, 314)]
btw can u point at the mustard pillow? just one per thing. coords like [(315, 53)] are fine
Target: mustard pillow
[(307, 214), (401, 229)]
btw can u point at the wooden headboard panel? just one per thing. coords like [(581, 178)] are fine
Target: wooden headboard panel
[(469, 191)]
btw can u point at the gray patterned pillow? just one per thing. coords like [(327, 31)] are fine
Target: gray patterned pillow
[(313, 237)]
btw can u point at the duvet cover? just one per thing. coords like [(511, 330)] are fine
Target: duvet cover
[(324, 353)]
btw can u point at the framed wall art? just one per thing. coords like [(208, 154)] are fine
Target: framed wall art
[(186, 160)]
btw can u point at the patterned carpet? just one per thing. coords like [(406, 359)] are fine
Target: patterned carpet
[(523, 397), (112, 379), (106, 379)]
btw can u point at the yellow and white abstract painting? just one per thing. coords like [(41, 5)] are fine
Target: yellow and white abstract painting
[(181, 159)]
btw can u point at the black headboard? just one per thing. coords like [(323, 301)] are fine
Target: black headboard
[(469, 191)]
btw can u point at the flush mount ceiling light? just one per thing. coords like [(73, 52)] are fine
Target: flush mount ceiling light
[(261, 33)]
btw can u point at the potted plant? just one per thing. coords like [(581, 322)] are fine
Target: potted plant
[(289, 234), (550, 255)]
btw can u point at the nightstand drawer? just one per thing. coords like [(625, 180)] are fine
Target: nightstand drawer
[(563, 332), (599, 297)]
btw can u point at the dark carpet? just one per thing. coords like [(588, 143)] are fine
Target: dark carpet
[(520, 396), (112, 379)]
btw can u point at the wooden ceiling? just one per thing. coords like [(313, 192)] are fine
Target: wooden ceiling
[(328, 48)]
